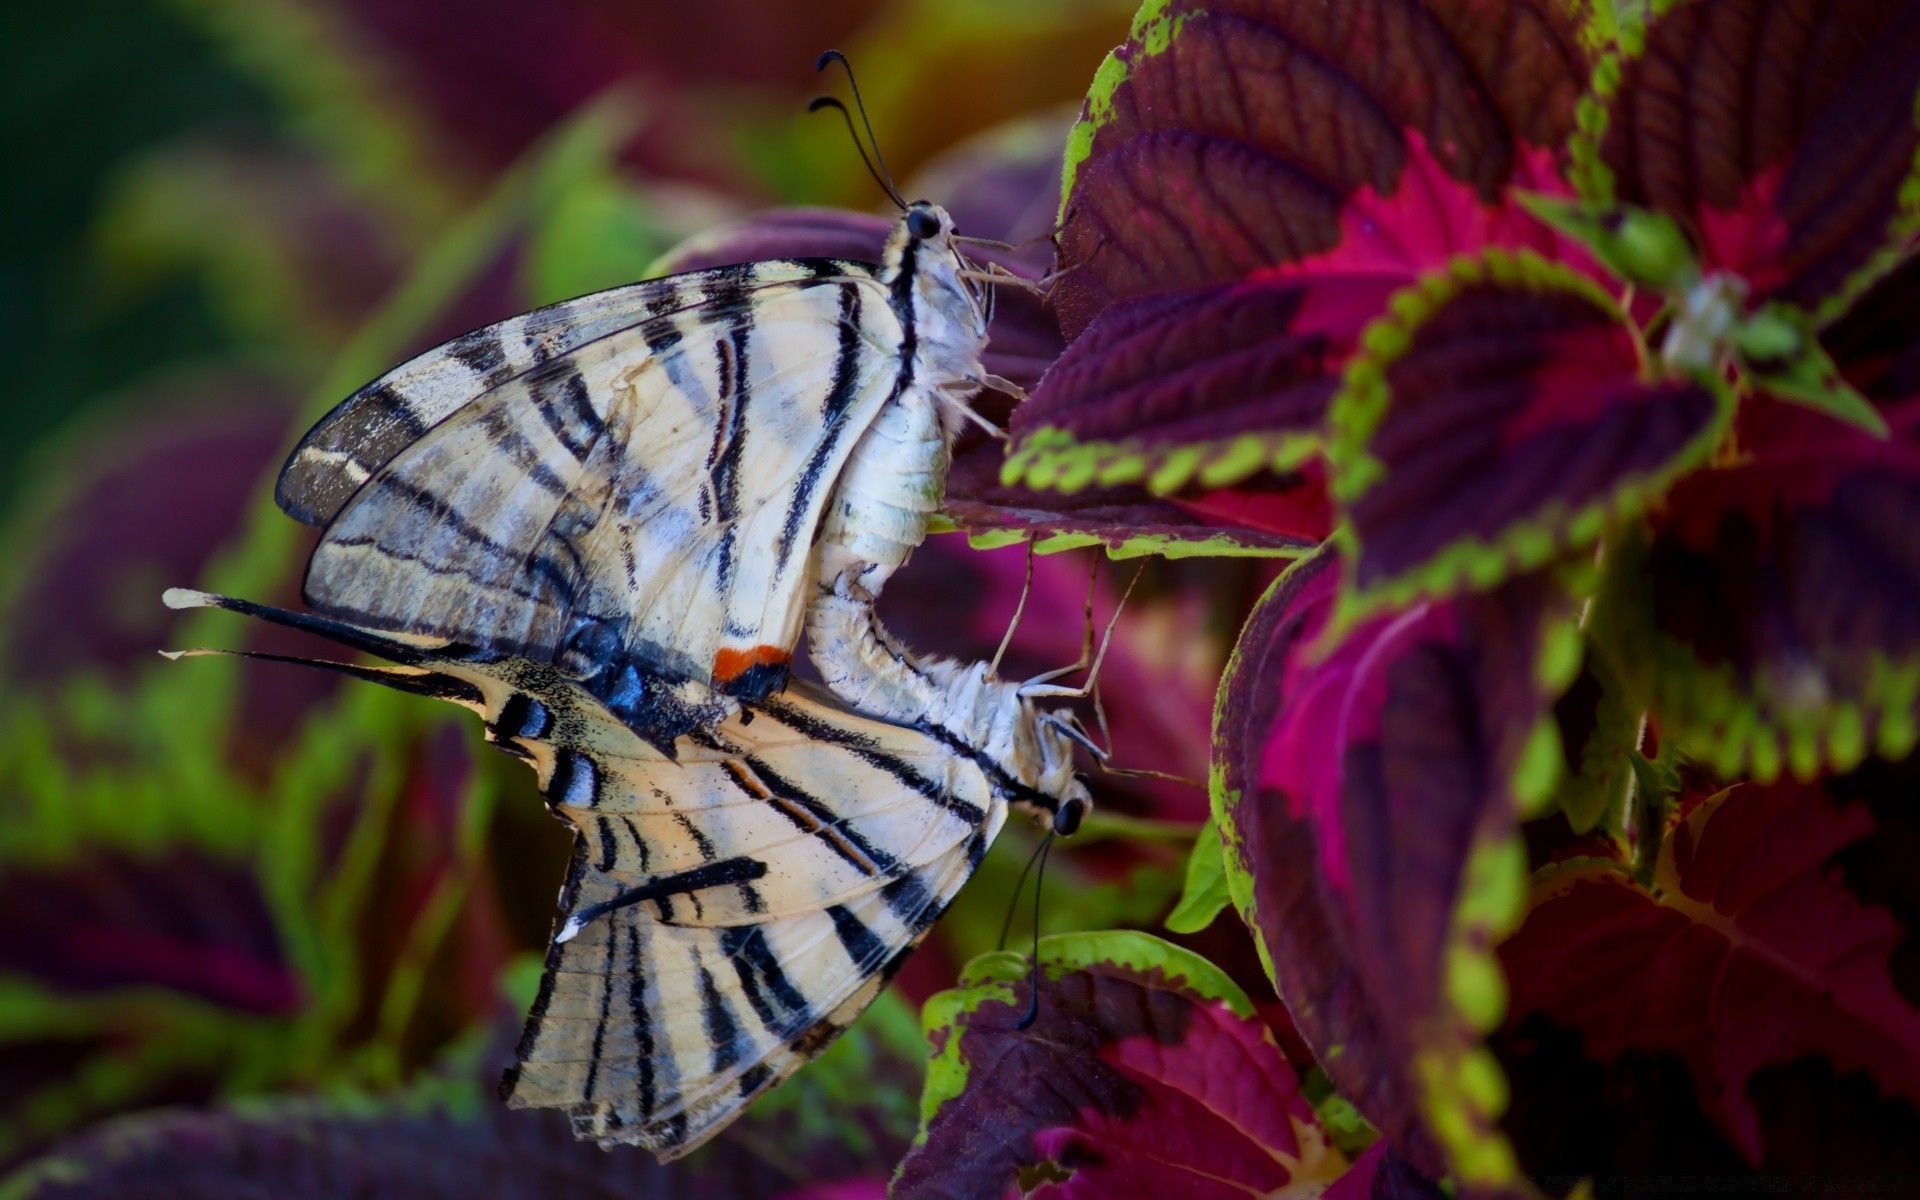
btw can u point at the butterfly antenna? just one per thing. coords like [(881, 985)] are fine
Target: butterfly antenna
[(820, 102), (1033, 988), (1013, 904), (883, 176)]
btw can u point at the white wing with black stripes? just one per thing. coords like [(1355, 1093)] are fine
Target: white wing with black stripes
[(624, 484), (730, 909)]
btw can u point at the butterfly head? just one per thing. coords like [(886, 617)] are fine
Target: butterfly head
[(936, 290), (1057, 734)]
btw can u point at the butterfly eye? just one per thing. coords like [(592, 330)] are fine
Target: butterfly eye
[(1066, 818), (923, 224)]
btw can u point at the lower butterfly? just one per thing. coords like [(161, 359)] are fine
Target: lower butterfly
[(738, 897)]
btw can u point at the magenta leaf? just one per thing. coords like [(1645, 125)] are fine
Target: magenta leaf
[(1146, 1070), (1771, 617), (1238, 138), (1781, 136), (1211, 384), (1498, 419), (1370, 791), (1756, 1012), (179, 920)]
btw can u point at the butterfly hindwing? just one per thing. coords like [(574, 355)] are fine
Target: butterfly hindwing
[(729, 910), (642, 492)]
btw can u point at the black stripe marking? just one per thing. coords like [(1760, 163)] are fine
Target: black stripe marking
[(563, 403), (606, 1011), (481, 352), (909, 899), (866, 750), (739, 869), (723, 1032), (609, 844), (862, 944), (840, 396), (508, 438), (639, 843), (754, 1078), (810, 815), (642, 1016), (387, 398), (781, 1008), (414, 496)]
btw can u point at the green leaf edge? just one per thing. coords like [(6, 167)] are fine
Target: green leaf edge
[(1152, 31), (1205, 893), (1716, 717), (1594, 180), (1525, 544), (1207, 543), (1222, 801), (992, 976), (1052, 459)]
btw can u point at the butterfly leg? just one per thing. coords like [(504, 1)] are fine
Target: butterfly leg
[(1041, 685), (1026, 586)]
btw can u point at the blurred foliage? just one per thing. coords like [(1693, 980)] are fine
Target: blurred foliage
[(225, 879)]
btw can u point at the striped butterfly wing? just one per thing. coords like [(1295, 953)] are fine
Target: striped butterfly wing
[(661, 1018), (626, 485), (728, 912)]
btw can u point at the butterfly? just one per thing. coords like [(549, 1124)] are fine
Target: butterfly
[(640, 484), (732, 907)]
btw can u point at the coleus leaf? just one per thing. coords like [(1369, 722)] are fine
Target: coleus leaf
[(1370, 790), (1781, 137), (1498, 418), (304, 1151), (1329, 137), (1770, 616), (1757, 1010), (1346, 148), (1599, 728), (1146, 1068), (179, 920), (1207, 385), (1126, 519)]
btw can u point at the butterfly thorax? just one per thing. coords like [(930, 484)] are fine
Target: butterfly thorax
[(894, 480), (1026, 753)]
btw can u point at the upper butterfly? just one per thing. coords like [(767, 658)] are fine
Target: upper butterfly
[(640, 483)]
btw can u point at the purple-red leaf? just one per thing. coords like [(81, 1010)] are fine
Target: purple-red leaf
[(1498, 419), (1370, 792), (1230, 139), (1214, 383), (1779, 133), (1758, 1011), (310, 1153), (1124, 518), (179, 920), (1774, 618), (1146, 1071)]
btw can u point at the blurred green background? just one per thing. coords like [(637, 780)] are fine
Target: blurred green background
[(224, 881)]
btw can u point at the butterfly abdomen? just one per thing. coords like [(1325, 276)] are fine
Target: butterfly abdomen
[(892, 486)]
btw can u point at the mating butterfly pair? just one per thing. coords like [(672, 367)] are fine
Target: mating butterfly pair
[(602, 526)]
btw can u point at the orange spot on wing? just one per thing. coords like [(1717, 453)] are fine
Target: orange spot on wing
[(730, 664)]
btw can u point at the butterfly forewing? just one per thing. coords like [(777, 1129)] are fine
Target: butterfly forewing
[(644, 495)]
